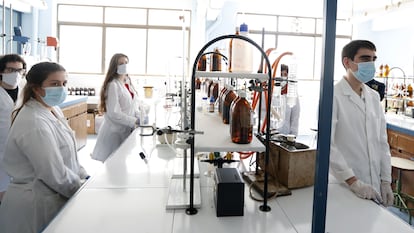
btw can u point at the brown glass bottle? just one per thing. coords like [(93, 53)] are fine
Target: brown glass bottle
[(202, 63), (210, 83), (241, 127), (220, 99), (214, 90), (215, 64), (228, 98), (197, 83)]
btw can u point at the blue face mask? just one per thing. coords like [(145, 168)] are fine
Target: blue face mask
[(365, 72), (54, 95)]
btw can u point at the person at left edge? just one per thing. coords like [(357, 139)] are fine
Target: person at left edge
[(12, 69), (40, 155)]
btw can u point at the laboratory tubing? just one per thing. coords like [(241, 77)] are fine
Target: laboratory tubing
[(242, 53), (241, 126)]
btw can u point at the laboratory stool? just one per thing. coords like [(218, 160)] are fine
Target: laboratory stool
[(401, 199)]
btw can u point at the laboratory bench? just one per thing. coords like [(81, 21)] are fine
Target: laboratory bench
[(74, 108), (400, 132), (128, 195)]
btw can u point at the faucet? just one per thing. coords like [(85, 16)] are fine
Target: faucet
[(404, 102)]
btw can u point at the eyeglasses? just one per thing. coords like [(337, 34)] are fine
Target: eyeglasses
[(12, 70)]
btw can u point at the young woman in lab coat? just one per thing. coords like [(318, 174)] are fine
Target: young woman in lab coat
[(360, 154), (290, 123), (120, 108), (12, 68), (40, 154)]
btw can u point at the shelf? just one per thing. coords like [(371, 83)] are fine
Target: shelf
[(216, 137), (263, 77)]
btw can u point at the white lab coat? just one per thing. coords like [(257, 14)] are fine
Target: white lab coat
[(6, 108), (290, 124), (41, 159), (119, 120), (359, 144)]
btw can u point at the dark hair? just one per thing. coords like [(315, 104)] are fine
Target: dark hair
[(284, 67), (110, 75), (10, 58), (351, 49), (35, 78)]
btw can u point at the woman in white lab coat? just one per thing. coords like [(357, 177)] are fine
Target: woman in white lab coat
[(119, 105), (12, 68), (40, 154), (360, 154)]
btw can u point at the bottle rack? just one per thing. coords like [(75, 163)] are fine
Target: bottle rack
[(191, 210)]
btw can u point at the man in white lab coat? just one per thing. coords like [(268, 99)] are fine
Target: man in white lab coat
[(360, 153), (12, 69)]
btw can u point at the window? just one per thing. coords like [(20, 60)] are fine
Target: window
[(145, 35), (300, 35)]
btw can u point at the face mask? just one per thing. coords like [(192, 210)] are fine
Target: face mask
[(12, 79), (365, 72), (54, 95), (122, 69)]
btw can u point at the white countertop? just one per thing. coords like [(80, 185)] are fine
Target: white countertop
[(401, 123), (127, 195)]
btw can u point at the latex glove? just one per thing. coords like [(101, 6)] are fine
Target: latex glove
[(365, 191), (387, 193)]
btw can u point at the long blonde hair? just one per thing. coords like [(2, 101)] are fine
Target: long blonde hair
[(111, 74)]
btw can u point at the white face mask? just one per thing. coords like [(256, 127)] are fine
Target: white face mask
[(122, 69), (12, 79)]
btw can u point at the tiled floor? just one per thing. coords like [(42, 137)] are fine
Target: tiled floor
[(91, 165)]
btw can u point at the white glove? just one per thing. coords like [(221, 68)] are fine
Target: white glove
[(365, 191), (387, 193)]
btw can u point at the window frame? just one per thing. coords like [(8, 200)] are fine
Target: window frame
[(147, 27)]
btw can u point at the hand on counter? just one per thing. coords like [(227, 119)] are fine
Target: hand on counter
[(365, 191), (387, 194)]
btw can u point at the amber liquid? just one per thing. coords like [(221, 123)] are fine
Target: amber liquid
[(228, 98), (241, 128), (202, 64), (220, 100), (215, 61), (197, 83), (214, 90)]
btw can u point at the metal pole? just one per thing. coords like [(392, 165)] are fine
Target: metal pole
[(325, 118), (11, 28), (3, 35)]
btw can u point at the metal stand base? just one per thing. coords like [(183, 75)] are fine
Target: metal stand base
[(265, 208), (179, 196), (191, 211)]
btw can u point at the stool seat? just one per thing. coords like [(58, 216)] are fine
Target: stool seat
[(401, 163), (401, 199)]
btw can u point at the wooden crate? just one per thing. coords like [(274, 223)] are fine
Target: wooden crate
[(293, 169)]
